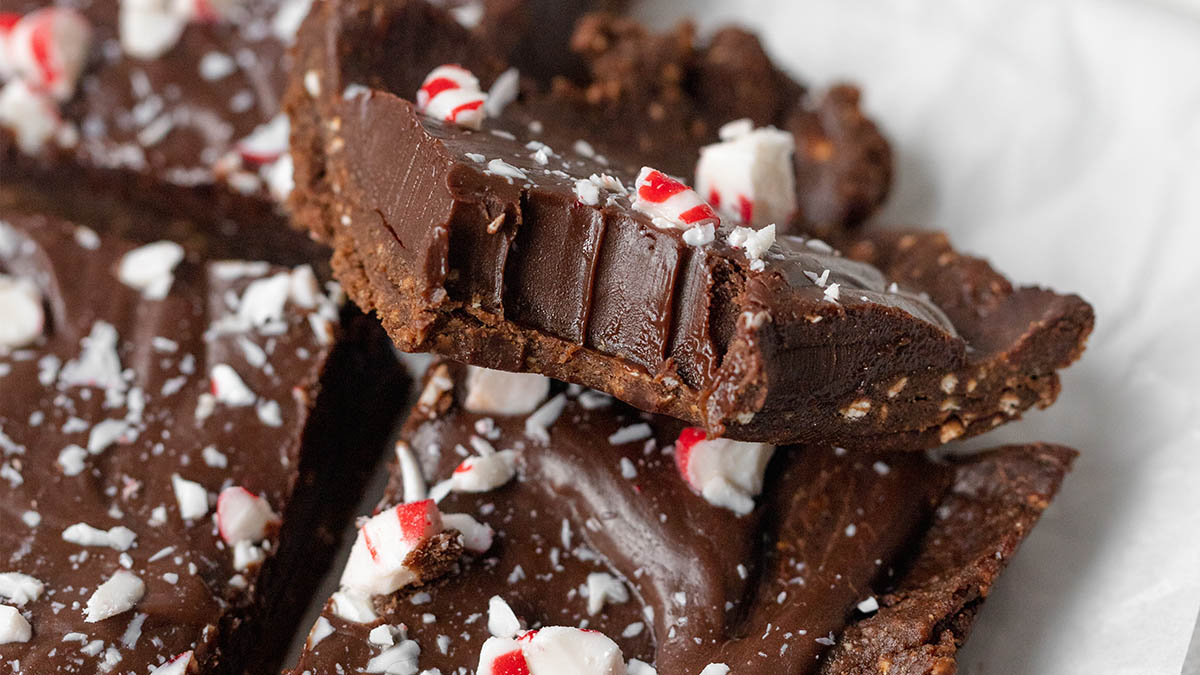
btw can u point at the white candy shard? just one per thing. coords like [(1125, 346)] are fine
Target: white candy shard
[(555, 650), (451, 93), (47, 48), (482, 473), (477, 536), (178, 665), (727, 473), (119, 594), (31, 115), (715, 669), (243, 515), (415, 488), (13, 626), (671, 203), (191, 497), (754, 243), (118, 538), (502, 620), (150, 268), (604, 588), (749, 176), (499, 392), (398, 660), (352, 606), (639, 667), (267, 143), (98, 364), (228, 387), (150, 28), (246, 555), (378, 560), (19, 588), (22, 317)]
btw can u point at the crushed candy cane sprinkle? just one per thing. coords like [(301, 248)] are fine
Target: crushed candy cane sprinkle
[(452, 94)]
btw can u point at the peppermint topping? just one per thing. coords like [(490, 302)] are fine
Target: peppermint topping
[(477, 536), (451, 93), (499, 392), (178, 665), (671, 204), (150, 28), (715, 669), (227, 387), (267, 143), (502, 620), (150, 268), (485, 472), (22, 317), (47, 48), (753, 243), (243, 516), (603, 588), (118, 538), (191, 497), (13, 626), (727, 473), (19, 588), (554, 650), (749, 176), (117, 595), (379, 560), (30, 114)]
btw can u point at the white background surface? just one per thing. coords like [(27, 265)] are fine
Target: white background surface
[(1060, 139)]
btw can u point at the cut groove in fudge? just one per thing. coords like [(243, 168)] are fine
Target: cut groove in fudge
[(158, 380), (848, 562)]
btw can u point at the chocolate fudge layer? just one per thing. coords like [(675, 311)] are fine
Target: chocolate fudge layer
[(845, 563), (182, 442), (495, 248)]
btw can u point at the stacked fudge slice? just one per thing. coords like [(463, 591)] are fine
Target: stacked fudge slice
[(182, 440), (498, 242), (763, 511)]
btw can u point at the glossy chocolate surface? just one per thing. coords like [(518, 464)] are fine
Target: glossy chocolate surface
[(772, 591)]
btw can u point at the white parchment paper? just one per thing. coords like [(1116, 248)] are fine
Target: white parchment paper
[(1060, 139)]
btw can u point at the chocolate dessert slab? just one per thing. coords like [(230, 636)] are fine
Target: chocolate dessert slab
[(182, 440), (496, 248), (845, 563)]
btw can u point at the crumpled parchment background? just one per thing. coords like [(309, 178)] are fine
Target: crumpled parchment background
[(1061, 140)]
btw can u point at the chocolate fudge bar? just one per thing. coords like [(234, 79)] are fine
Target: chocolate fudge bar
[(496, 248), (575, 511), (181, 443), (172, 103)]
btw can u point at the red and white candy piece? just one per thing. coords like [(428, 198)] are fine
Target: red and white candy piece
[(481, 473), (267, 143), (228, 387), (451, 93), (378, 562), (31, 115), (671, 203), (243, 516), (727, 473), (749, 175), (499, 392), (22, 317), (179, 665), (555, 650), (477, 537), (48, 49)]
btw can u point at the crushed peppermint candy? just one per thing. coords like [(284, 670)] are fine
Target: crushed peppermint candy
[(485, 472), (670, 203), (115, 596), (726, 473), (22, 316), (502, 620), (552, 650), (19, 588), (190, 496), (477, 537), (14, 627), (150, 268), (178, 665), (499, 167), (47, 48), (243, 516), (603, 588), (754, 243), (377, 563), (30, 114), (118, 538), (499, 392), (228, 388), (451, 93), (502, 92), (749, 176)]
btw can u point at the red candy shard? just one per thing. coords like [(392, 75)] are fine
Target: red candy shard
[(659, 187), (472, 105), (688, 438), (697, 213), (510, 663), (438, 85), (414, 519)]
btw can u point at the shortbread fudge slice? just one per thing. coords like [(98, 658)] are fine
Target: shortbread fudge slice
[(675, 552), (182, 441)]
